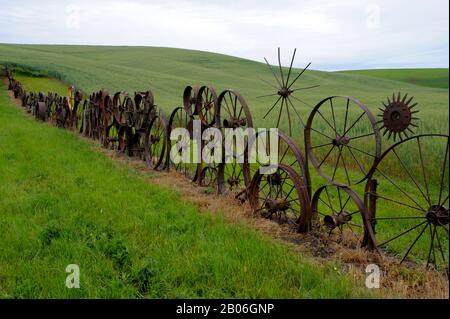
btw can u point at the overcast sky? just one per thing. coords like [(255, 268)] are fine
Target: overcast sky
[(332, 34)]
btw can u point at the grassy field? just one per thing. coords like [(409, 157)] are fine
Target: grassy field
[(168, 71), (434, 78), (63, 202)]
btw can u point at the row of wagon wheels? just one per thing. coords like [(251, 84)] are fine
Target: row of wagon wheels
[(403, 209)]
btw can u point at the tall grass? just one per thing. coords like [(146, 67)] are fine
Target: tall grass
[(63, 203)]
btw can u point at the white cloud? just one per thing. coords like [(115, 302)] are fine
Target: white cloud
[(331, 34)]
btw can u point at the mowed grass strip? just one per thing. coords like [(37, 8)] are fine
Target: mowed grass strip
[(64, 203)]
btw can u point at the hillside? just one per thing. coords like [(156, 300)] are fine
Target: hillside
[(167, 71), (435, 78)]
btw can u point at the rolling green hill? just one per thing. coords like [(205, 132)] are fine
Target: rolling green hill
[(167, 71), (435, 78)]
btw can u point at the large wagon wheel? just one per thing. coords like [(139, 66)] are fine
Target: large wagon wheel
[(181, 119), (341, 213), (233, 113), (156, 142), (190, 95), (206, 105), (409, 207), (281, 196), (342, 140)]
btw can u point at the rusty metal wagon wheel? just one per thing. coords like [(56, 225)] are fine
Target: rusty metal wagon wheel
[(105, 118), (206, 105), (288, 153), (340, 212), (281, 196), (208, 177), (119, 107), (190, 95), (285, 93), (145, 109), (233, 113), (156, 142), (181, 119), (79, 116), (112, 132), (210, 160), (342, 140), (84, 123), (408, 198), (124, 137)]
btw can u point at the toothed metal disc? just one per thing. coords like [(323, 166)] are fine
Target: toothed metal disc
[(397, 116)]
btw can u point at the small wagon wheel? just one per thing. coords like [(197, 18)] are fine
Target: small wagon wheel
[(105, 118), (156, 142), (112, 128), (210, 160), (144, 102), (208, 177), (181, 119), (288, 153), (190, 99), (342, 140), (408, 198), (206, 105), (233, 113), (83, 123), (119, 108), (130, 110), (341, 213), (282, 196)]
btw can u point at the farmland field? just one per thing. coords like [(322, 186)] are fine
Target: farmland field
[(166, 72), (435, 78)]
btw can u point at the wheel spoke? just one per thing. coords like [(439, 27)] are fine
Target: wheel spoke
[(443, 173), (412, 245), (409, 174), (423, 171), (403, 233), (400, 189), (354, 123)]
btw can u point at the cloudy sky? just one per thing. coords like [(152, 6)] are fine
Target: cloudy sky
[(332, 34)]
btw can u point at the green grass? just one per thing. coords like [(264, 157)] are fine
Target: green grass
[(435, 78), (167, 71), (63, 202), (35, 83)]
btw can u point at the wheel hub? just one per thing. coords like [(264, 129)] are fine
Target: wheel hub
[(154, 139), (284, 92), (234, 122), (274, 179), (337, 219), (233, 181), (341, 140), (277, 205), (437, 215)]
